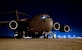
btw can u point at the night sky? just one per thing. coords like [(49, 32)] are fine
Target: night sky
[(64, 12)]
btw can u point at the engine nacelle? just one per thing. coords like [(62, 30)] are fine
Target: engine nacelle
[(64, 28), (13, 25), (56, 26)]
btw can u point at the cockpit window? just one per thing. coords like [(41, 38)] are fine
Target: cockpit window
[(44, 16)]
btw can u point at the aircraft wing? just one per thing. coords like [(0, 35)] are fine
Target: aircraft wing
[(4, 22)]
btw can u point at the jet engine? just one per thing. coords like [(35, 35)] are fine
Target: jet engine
[(64, 28), (13, 25), (61, 28), (56, 26)]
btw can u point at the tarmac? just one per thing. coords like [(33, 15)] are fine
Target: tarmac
[(40, 44)]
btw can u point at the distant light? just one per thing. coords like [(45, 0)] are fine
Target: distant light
[(69, 36), (73, 36), (79, 37), (59, 36), (64, 36)]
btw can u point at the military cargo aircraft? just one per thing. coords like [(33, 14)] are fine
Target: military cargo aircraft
[(34, 27)]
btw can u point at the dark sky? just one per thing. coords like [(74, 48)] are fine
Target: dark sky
[(69, 11), (65, 12)]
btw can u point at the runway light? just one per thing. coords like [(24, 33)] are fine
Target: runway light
[(73, 36), (69, 36), (64, 36), (59, 36), (79, 37)]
